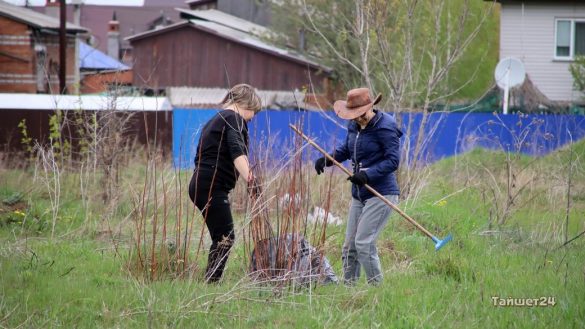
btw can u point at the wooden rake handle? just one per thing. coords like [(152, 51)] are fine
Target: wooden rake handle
[(386, 201)]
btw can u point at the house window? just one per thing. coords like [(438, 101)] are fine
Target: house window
[(570, 38)]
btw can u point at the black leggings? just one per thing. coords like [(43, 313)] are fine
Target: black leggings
[(216, 212)]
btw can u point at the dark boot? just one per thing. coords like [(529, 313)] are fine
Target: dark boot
[(211, 264), (218, 255)]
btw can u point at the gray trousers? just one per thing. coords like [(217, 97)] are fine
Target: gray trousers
[(366, 221)]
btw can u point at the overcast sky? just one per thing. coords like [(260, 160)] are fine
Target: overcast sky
[(87, 2)]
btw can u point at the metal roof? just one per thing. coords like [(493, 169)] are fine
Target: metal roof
[(250, 40), (194, 97), (92, 59), (228, 20), (43, 3), (238, 35), (33, 18), (124, 3), (82, 102)]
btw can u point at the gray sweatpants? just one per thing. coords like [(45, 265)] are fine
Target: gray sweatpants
[(366, 221)]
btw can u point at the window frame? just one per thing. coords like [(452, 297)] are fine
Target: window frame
[(572, 22)]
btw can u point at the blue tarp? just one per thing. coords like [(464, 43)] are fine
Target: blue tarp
[(446, 134), (93, 59)]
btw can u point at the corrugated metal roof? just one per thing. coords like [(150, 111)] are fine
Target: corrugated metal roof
[(250, 40), (228, 20), (93, 59), (82, 102), (234, 34), (34, 18), (199, 97), (43, 3), (124, 3), (193, 97)]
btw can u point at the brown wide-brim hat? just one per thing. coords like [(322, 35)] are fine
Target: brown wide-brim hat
[(358, 102)]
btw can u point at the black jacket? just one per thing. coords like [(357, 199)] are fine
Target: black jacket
[(223, 139)]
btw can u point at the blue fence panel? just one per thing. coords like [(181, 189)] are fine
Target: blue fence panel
[(269, 132), (446, 134), (187, 126), (271, 135)]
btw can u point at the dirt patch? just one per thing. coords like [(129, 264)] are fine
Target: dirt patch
[(12, 213), (13, 202), (20, 206)]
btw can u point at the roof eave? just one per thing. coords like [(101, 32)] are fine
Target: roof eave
[(70, 28), (150, 33), (202, 2), (54, 31)]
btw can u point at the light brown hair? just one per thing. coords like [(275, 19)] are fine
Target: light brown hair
[(243, 95)]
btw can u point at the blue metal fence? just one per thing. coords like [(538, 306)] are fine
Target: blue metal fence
[(446, 134)]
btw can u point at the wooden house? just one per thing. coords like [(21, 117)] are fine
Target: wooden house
[(210, 48)]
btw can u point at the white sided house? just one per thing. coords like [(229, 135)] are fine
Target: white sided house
[(546, 36)]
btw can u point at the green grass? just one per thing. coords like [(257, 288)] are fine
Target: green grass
[(76, 279)]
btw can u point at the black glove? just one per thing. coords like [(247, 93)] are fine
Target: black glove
[(359, 179), (321, 163)]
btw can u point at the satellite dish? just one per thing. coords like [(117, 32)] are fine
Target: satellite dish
[(510, 72), (514, 69)]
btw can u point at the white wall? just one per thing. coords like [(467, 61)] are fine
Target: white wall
[(527, 31)]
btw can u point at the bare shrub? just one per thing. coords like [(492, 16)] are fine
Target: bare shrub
[(279, 218), (48, 172)]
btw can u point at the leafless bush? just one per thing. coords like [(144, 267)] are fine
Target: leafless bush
[(159, 246), (111, 146), (169, 232), (281, 216), (48, 172), (103, 143)]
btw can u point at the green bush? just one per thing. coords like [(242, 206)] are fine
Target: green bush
[(577, 69)]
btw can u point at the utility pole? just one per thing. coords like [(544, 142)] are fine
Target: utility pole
[(62, 48)]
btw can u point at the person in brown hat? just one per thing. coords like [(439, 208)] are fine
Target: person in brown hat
[(373, 146)]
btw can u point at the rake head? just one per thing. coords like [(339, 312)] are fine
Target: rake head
[(440, 243)]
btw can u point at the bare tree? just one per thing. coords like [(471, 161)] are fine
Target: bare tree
[(403, 49)]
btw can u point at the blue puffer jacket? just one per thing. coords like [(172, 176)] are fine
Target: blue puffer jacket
[(376, 150)]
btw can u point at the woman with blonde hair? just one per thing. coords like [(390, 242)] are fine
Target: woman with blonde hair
[(222, 156)]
